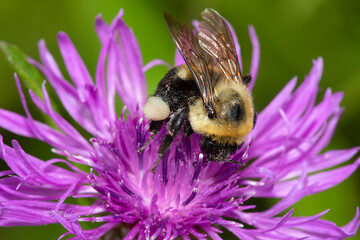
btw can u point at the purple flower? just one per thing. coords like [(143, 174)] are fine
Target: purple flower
[(281, 157)]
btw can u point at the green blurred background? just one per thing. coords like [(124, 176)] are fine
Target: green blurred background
[(291, 34)]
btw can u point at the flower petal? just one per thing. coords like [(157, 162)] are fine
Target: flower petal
[(255, 57), (73, 62), (156, 62), (64, 126), (128, 65)]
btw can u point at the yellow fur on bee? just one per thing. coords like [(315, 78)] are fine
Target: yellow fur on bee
[(220, 130)]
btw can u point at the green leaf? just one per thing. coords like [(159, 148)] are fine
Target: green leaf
[(29, 75)]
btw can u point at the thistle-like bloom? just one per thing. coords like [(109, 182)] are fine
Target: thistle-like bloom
[(185, 197)]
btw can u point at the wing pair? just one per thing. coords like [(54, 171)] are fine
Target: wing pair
[(212, 46)]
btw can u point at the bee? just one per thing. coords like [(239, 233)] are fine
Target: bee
[(207, 95)]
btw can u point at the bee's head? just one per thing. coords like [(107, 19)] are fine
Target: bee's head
[(233, 114), (229, 105)]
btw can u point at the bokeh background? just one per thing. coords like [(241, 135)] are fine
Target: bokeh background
[(291, 34)]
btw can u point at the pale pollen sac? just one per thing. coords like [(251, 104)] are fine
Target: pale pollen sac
[(156, 109)]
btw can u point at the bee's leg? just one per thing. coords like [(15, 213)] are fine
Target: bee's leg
[(233, 161), (146, 143), (173, 127), (216, 152), (164, 147), (155, 127), (188, 129)]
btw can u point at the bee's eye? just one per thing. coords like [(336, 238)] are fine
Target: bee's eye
[(236, 113)]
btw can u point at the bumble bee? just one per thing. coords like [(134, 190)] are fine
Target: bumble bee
[(207, 95)]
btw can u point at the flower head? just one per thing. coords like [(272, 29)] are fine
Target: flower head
[(185, 197)]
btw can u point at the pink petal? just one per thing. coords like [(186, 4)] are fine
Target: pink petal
[(73, 62)]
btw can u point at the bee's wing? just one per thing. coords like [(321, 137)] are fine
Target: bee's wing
[(197, 60), (216, 39)]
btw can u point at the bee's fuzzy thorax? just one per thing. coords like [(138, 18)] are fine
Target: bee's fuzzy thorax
[(183, 72), (220, 130)]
